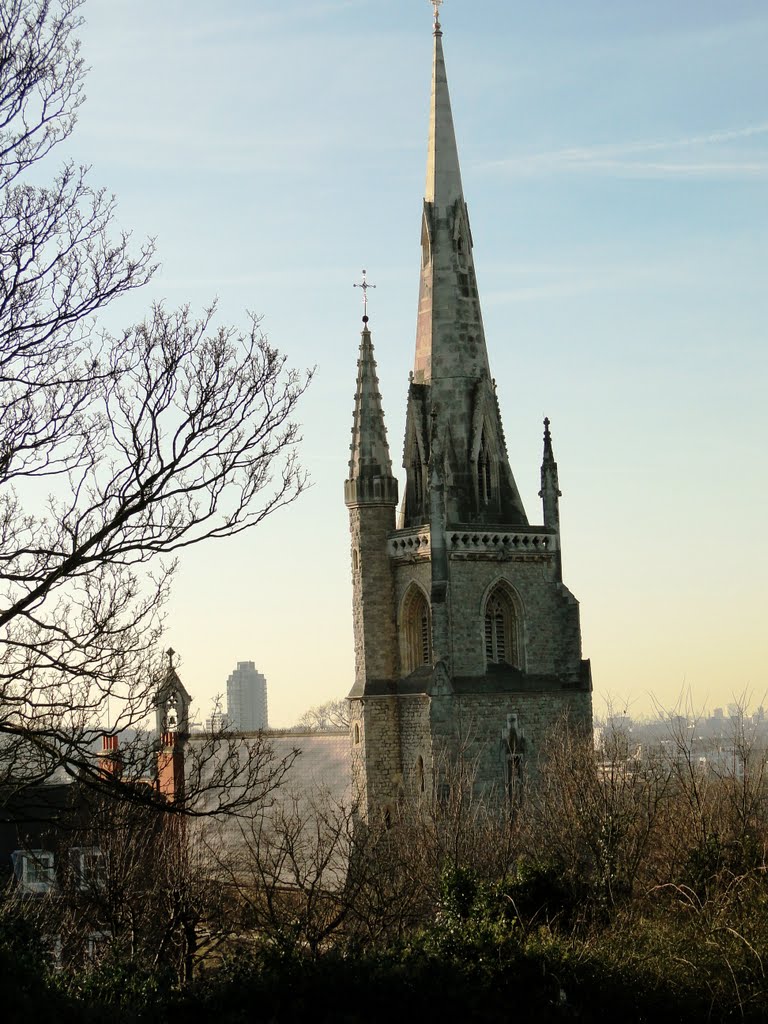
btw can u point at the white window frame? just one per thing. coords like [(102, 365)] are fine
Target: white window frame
[(89, 866), (24, 861)]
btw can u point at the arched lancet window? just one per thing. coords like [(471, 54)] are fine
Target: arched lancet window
[(417, 631), (172, 712), (500, 628), (484, 479), (357, 734), (417, 472)]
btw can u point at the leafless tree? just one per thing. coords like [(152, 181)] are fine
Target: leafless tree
[(291, 867), (116, 452), (334, 714), (596, 814)]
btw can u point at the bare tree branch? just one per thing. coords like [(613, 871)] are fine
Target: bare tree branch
[(116, 452)]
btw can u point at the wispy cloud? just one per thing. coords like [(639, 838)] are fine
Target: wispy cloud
[(586, 274), (641, 158)]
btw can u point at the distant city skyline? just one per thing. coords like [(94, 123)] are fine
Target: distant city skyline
[(615, 163)]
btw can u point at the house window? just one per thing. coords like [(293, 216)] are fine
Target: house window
[(500, 629), (417, 626), (88, 867), (34, 869), (420, 774)]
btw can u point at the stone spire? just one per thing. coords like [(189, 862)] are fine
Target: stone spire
[(549, 492), (370, 468), (454, 436), (450, 341)]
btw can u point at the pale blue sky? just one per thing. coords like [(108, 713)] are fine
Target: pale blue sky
[(615, 163)]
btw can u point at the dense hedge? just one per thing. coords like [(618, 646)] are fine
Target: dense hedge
[(484, 958)]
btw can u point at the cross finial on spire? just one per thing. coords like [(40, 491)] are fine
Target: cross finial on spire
[(170, 652), (436, 4), (365, 285)]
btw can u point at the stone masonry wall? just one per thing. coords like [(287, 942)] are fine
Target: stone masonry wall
[(415, 742), (549, 632), (373, 609), (357, 760), (397, 731), (483, 720), (381, 745)]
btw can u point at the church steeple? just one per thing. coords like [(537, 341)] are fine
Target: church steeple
[(370, 468), (453, 415), (460, 613)]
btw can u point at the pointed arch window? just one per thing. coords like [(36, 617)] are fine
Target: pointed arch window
[(417, 631), (501, 629), (484, 474), (417, 475)]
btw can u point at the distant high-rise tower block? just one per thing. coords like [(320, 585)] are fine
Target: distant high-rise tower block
[(246, 698)]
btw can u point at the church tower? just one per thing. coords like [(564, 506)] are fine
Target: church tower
[(465, 635)]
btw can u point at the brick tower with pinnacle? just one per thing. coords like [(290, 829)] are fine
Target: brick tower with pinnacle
[(466, 637)]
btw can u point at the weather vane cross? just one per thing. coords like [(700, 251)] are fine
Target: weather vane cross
[(365, 285), (436, 4)]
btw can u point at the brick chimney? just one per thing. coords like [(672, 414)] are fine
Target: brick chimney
[(110, 761), (170, 767)]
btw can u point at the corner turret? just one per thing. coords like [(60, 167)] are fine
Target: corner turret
[(370, 479)]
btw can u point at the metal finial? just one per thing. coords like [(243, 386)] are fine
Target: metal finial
[(546, 427), (170, 652), (436, 4), (365, 285)]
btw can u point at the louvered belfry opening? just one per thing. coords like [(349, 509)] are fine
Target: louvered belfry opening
[(500, 629), (417, 626)]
